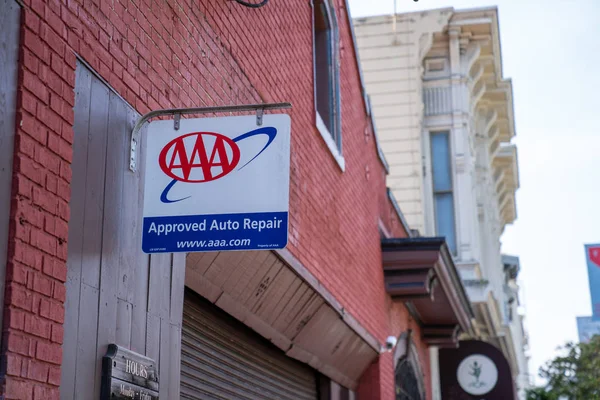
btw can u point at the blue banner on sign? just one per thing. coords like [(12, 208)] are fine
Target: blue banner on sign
[(221, 232), (592, 255)]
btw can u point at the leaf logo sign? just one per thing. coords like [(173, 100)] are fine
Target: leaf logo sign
[(477, 374)]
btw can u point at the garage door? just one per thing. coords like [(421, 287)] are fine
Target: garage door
[(223, 359)]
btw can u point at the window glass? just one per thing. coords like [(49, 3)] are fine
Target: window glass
[(407, 385), (444, 215), (440, 162)]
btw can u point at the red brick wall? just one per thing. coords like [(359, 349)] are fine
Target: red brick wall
[(37, 253), (159, 54)]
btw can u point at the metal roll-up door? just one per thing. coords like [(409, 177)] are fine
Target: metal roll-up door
[(223, 359)]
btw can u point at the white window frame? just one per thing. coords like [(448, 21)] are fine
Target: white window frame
[(429, 182), (335, 147)]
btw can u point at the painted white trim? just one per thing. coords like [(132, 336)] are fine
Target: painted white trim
[(434, 357), (383, 229), (427, 190), (328, 138)]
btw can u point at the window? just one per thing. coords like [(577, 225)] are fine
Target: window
[(408, 374), (443, 197), (407, 384), (326, 76)]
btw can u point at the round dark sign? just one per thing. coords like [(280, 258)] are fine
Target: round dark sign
[(475, 371)]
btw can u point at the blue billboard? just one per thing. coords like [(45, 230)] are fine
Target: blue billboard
[(592, 255)]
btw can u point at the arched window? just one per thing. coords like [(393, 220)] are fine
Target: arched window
[(407, 385), (408, 376)]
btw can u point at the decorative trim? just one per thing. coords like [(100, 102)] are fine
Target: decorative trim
[(437, 100), (421, 270), (436, 65)]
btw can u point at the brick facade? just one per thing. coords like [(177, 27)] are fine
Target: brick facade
[(159, 54)]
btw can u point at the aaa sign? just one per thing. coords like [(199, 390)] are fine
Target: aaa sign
[(217, 184)]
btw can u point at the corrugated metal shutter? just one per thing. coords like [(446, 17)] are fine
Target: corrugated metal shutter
[(223, 359)]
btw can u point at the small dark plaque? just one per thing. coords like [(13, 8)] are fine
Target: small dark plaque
[(121, 390), (128, 375)]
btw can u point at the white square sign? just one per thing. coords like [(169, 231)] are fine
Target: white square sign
[(217, 184)]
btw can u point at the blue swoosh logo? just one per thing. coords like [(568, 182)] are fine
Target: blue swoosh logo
[(269, 131), (163, 196)]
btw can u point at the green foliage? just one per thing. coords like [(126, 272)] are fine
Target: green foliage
[(540, 393), (575, 375)]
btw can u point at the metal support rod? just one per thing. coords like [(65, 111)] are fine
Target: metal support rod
[(199, 110)]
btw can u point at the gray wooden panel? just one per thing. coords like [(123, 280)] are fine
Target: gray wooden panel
[(87, 361), (123, 334), (109, 316), (83, 82), (165, 364), (9, 52), (177, 282), (131, 202), (174, 369), (94, 190), (115, 293), (153, 337), (93, 222), (138, 292), (159, 287)]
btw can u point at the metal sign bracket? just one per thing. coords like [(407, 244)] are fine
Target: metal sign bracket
[(178, 112)]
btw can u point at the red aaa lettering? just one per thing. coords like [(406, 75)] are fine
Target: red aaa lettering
[(183, 163)]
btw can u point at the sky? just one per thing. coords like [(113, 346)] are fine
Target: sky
[(551, 50)]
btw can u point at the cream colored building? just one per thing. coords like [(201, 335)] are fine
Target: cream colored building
[(436, 87)]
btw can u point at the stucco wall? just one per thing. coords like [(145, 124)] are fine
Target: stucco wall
[(392, 66)]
